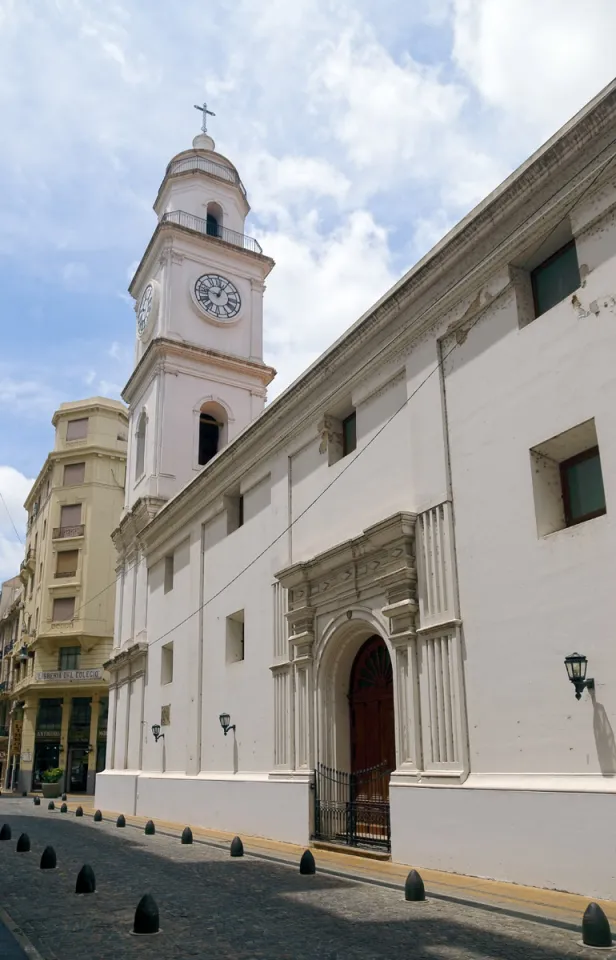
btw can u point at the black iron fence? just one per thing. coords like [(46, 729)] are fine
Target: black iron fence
[(353, 808)]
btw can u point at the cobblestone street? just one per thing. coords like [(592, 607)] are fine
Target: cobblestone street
[(213, 906)]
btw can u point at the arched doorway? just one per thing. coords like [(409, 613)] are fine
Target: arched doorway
[(371, 702), (352, 797)]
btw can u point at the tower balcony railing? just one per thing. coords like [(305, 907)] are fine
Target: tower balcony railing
[(201, 225), (188, 164)]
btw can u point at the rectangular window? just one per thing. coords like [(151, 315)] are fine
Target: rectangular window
[(556, 278), (582, 486), (169, 573), (63, 609), (81, 714), (77, 429), (70, 516), (235, 637), (349, 434), (567, 479), (166, 663), (66, 563), (68, 658), (235, 512), (49, 714), (74, 473)]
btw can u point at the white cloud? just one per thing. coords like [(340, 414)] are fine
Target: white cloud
[(401, 122), (322, 284), (14, 488), (537, 64)]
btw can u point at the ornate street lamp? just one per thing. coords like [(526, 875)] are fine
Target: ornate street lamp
[(576, 664), (156, 732), (225, 723)]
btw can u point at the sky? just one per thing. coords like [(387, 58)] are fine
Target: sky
[(362, 129)]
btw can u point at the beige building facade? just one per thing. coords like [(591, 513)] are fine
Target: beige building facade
[(58, 687)]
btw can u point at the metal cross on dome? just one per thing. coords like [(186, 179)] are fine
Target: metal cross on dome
[(206, 113)]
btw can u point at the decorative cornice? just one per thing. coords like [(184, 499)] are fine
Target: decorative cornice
[(160, 349), (127, 535), (381, 559), (167, 229), (126, 656)]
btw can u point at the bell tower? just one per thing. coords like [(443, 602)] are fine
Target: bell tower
[(199, 376)]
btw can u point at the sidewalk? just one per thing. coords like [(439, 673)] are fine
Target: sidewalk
[(564, 909)]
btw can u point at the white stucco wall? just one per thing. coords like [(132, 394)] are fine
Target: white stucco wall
[(529, 601)]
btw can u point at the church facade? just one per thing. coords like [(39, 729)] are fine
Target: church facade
[(344, 616)]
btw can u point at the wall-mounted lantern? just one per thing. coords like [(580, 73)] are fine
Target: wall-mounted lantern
[(577, 665), (225, 723), (156, 732)]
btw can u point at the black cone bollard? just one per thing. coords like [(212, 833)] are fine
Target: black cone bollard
[(596, 927), (121, 821), (98, 817), (5, 833), (63, 808), (237, 847), (150, 829), (86, 881), (79, 812), (37, 801), (64, 797), (51, 805), (146, 916), (48, 859), (307, 866), (23, 844), (414, 887), (187, 835)]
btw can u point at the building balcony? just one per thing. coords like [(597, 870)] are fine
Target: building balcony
[(62, 533), (200, 225), (202, 165), (26, 568)]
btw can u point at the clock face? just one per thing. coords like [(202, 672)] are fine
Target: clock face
[(145, 309), (219, 297)]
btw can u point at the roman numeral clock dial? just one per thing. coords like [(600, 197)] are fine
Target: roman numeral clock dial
[(218, 297)]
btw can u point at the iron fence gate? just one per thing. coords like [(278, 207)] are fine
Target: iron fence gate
[(353, 808)]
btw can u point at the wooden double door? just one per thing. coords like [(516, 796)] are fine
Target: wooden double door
[(371, 701)]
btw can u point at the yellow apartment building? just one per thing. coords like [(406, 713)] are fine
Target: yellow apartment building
[(58, 695)]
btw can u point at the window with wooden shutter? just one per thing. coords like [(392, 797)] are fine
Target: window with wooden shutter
[(70, 515), (77, 429), (74, 473), (63, 608), (66, 565)]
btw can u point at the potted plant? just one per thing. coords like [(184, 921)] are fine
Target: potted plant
[(51, 782)]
